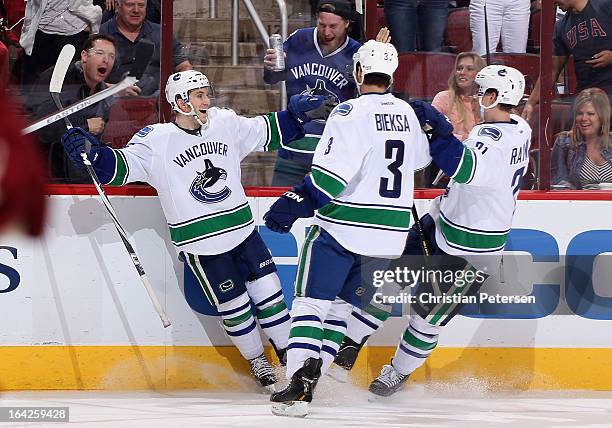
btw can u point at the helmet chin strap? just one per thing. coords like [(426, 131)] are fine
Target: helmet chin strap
[(192, 112), (357, 82), (487, 107)]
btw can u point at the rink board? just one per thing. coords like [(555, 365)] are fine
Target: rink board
[(76, 316)]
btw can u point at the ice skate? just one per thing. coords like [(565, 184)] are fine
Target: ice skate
[(263, 372), (293, 400), (388, 382)]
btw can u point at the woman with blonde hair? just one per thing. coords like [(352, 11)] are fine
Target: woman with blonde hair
[(459, 103), (582, 157)]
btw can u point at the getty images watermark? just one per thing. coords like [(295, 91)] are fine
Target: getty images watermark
[(446, 286)]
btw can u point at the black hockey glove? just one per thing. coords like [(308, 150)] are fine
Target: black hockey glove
[(434, 123), (287, 209), (308, 107), (76, 141)]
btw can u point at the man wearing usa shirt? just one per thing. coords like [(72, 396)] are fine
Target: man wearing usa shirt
[(585, 32)]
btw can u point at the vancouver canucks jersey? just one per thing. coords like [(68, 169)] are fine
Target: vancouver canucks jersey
[(308, 70), (476, 212), (197, 176), (365, 162)]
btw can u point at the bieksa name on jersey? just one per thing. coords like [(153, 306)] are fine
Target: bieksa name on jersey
[(202, 149), (391, 122)]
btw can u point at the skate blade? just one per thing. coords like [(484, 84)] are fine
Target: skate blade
[(293, 409), (338, 373)]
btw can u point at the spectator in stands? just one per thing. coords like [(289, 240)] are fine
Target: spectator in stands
[(318, 60), (153, 10), (417, 24), (585, 32), (128, 28), (508, 19), (83, 78), (460, 102), (48, 26), (582, 157), (356, 31)]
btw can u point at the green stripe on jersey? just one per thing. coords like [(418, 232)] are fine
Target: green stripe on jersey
[(306, 144), (121, 169), (465, 172), (472, 240), (329, 184), (274, 135), (210, 225), (370, 216)]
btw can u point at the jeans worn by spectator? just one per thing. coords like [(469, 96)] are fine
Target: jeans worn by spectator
[(416, 24)]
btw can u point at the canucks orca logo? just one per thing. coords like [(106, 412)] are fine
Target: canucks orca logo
[(320, 89), (489, 131), (209, 186)]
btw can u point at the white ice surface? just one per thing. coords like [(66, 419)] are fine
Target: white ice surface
[(469, 404)]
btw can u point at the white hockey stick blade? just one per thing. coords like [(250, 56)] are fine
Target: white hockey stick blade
[(80, 105), (143, 52), (293, 409), (61, 67), (359, 6)]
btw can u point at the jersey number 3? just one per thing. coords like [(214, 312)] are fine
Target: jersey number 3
[(396, 189)]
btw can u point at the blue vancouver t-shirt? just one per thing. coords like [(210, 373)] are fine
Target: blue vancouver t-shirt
[(308, 70)]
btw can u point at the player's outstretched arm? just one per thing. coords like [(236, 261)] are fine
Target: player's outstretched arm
[(445, 149), (299, 202), (301, 109), (77, 140)]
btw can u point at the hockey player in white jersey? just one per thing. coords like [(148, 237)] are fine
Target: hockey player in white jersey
[(361, 183), (467, 227), (194, 164)]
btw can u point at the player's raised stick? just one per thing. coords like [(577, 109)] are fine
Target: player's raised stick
[(55, 87), (142, 55), (59, 74)]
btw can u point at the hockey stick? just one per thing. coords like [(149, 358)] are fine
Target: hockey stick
[(424, 245), (59, 74), (142, 56), (126, 242), (55, 87)]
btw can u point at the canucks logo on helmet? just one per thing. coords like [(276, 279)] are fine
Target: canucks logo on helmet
[(209, 186)]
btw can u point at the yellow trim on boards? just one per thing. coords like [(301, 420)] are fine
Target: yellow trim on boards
[(223, 369)]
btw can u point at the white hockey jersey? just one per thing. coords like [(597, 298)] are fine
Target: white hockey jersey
[(197, 177), (475, 214), (365, 161)]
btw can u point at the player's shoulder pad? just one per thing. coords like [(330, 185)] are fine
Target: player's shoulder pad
[(343, 109), (220, 112), (490, 131)]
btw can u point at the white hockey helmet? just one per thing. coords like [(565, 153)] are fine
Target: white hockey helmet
[(507, 81), (180, 84), (375, 57)]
